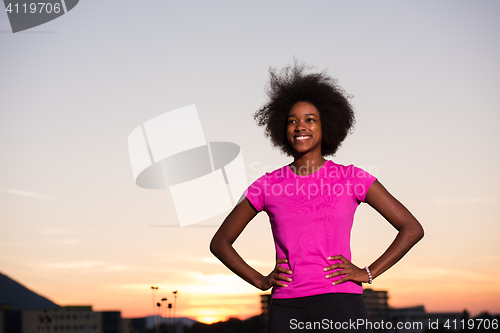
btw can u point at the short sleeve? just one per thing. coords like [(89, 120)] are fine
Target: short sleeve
[(361, 181), (255, 193)]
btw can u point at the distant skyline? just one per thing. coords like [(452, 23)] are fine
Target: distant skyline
[(19, 297), (424, 80)]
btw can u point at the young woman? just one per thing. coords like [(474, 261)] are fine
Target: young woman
[(311, 204)]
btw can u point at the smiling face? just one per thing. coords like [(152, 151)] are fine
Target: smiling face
[(304, 128)]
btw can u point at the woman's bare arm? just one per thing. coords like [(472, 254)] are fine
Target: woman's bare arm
[(222, 247), (409, 233)]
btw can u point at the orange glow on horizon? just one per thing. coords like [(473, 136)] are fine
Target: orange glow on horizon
[(210, 320), (202, 297), (210, 316), (435, 297)]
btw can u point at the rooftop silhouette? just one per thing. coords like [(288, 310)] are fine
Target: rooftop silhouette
[(21, 298)]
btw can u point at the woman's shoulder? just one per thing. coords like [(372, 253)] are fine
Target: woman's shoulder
[(268, 175), (276, 174), (339, 167), (345, 171)]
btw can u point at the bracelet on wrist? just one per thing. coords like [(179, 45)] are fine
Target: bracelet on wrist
[(370, 280)]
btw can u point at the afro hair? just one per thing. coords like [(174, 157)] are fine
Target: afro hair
[(291, 85)]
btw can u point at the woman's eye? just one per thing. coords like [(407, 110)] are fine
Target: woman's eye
[(311, 119)]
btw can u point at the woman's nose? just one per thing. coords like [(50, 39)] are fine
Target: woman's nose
[(300, 125)]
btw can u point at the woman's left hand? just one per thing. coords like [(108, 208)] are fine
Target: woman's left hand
[(350, 271)]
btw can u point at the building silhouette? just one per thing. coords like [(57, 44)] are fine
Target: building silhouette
[(376, 302), (59, 320)]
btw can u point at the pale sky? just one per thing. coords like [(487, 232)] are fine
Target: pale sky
[(75, 228)]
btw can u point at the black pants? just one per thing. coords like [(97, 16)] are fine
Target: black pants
[(320, 313)]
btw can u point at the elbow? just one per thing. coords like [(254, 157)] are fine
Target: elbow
[(422, 233), (413, 232), (418, 232), (217, 246), (214, 247)]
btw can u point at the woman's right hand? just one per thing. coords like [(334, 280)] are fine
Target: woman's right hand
[(276, 278)]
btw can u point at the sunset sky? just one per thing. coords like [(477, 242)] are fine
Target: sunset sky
[(75, 228)]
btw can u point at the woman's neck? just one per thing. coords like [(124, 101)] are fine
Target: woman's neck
[(304, 165)]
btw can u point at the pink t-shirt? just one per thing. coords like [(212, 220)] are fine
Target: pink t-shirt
[(311, 219)]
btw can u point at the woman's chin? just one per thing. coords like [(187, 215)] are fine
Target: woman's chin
[(303, 149)]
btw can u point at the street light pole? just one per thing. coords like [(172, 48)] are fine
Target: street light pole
[(154, 290), (175, 302), (158, 324), (163, 313), (170, 314)]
